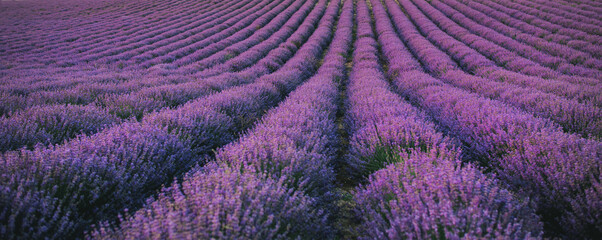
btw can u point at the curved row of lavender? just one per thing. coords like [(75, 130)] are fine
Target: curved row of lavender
[(86, 180), (268, 184), (557, 57), (532, 155), (290, 119), (534, 35), (138, 14), (532, 17), (419, 189), (571, 114), (125, 105)]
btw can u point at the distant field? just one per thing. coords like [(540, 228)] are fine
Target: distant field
[(285, 119)]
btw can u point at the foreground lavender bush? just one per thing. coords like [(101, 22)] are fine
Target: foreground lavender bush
[(223, 203), (59, 192), (430, 198)]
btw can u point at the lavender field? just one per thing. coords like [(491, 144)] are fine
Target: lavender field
[(287, 119)]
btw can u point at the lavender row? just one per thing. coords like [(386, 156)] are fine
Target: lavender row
[(111, 53), (87, 43), (27, 83), (142, 33), (501, 55), (227, 50), (422, 192), (585, 5), (380, 123), (292, 38), (190, 50), (587, 8), (572, 115), (143, 155), (97, 161), (530, 154), (83, 39), (557, 36), (84, 93), (586, 27), (240, 103), (57, 192), (192, 33), (512, 51), (223, 203), (51, 125), (254, 47), (24, 85), (537, 21), (147, 100), (473, 61), (563, 11), (424, 197), (190, 36), (91, 33), (18, 12), (307, 118), (523, 150), (192, 13), (535, 36), (555, 60), (297, 141)]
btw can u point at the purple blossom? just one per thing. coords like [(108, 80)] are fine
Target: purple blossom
[(223, 203), (425, 197)]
